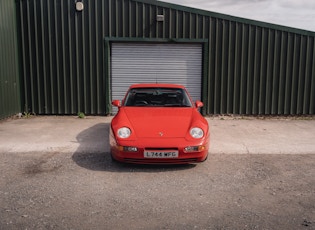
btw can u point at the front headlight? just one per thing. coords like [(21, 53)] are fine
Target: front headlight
[(124, 132), (196, 132)]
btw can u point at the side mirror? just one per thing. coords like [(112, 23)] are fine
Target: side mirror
[(116, 103), (199, 104)]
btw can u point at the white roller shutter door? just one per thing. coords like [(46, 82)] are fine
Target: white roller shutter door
[(133, 63)]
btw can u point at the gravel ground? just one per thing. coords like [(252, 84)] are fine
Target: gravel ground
[(88, 191), (56, 173)]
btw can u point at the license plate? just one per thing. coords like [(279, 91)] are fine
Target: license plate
[(161, 154)]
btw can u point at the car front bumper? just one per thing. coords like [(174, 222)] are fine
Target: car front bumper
[(134, 151)]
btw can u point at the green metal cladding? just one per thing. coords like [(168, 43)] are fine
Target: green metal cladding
[(250, 67), (9, 74)]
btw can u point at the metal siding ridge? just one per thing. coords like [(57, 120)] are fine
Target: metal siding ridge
[(275, 74), (51, 66), (301, 76), (230, 67), (312, 79), (250, 70), (57, 58), (282, 72), (71, 75), (262, 77), (237, 54), (269, 62), (90, 97), (244, 58), (65, 67), (308, 75), (23, 53), (289, 64), (295, 76), (257, 66), (223, 90), (38, 106), (84, 66), (31, 73), (78, 73)]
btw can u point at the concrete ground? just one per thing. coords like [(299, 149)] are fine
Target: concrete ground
[(229, 135)]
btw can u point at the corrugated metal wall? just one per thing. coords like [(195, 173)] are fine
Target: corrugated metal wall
[(9, 75), (250, 67), (257, 70), (62, 56)]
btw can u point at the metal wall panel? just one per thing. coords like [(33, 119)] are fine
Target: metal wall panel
[(62, 56), (9, 74), (251, 67), (257, 70)]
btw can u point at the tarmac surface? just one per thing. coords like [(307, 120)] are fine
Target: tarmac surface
[(229, 135), (56, 173)]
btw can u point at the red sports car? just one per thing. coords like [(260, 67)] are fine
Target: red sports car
[(159, 124)]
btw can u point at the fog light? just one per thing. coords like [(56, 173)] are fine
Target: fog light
[(191, 149), (127, 148), (194, 148), (130, 149)]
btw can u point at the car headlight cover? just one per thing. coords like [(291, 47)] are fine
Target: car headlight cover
[(124, 132), (196, 132)]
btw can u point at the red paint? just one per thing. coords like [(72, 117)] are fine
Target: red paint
[(158, 129)]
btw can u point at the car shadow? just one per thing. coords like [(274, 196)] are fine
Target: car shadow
[(93, 153)]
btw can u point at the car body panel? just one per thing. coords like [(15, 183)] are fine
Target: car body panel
[(159, 130), (139, 118)]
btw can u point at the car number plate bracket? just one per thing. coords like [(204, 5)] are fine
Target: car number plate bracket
[(161, 154)]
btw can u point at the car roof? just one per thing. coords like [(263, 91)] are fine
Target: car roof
[(156, 85)]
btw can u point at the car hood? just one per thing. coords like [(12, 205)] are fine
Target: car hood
[(158, 122)]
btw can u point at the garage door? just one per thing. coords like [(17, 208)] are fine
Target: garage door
[(150, 63)]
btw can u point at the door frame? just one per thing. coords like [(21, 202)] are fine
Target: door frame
[(204, 72)]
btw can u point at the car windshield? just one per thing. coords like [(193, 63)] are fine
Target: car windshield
[(158, 97)]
